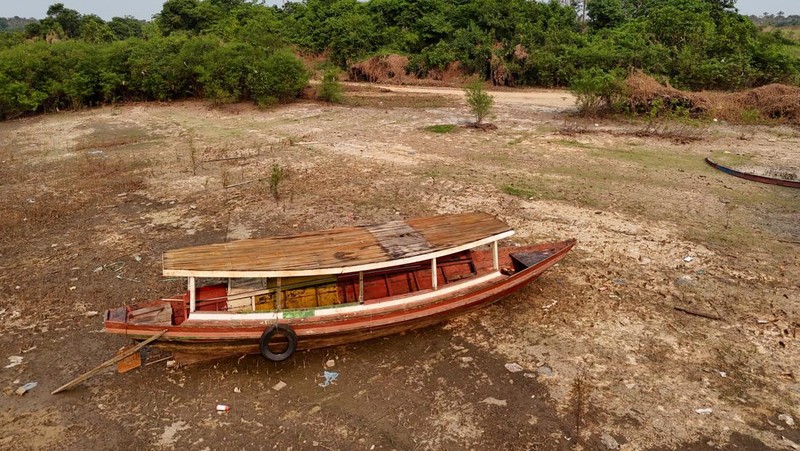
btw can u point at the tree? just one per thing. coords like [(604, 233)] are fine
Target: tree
[(605, 13), (479, 101)]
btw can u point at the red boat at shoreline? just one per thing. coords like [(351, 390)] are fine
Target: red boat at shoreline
[(276, 295)]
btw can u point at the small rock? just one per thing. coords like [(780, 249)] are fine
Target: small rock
[(619, 282), (72, 288), (467, 359), (688, 259), (330, 363), (279, 386), (609, 441), (91, 313), (237, 390), (529, 375), (704, 411), (786, 419), (137, 258), (684, 280), (545, 370), (495, 402), (171, 363), (513, 367)]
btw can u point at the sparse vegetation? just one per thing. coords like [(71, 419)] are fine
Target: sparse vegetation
[(441, 128), (479, 101), (330, 90), (277, 176)]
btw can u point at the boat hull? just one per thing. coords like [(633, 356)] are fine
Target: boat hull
[(753, 177), (197, 339)]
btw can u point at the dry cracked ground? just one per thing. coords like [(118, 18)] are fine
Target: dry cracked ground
[(593, 355)]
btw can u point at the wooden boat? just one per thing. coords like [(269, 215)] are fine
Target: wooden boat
[(277, 295), (754, 177)]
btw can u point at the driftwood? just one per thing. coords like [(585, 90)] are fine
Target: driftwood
[(696, 313), (96, 370)]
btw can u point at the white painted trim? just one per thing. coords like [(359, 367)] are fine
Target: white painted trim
[(495, 257), (270, 316), (337, 270), (434, 275), (192, 295)]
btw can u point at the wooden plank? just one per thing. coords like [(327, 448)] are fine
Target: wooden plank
[(118, 358)]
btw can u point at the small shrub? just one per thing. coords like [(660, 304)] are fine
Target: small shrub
[(598, 91), (279, 77), (480, 102), (277, 176), (331, 90)]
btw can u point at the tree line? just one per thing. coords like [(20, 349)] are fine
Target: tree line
[(230, 50)]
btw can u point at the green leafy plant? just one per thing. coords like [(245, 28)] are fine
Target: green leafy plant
[(277, 176), (479, 101), (330, 90)]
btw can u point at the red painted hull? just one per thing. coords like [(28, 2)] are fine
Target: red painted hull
[(240, 336)]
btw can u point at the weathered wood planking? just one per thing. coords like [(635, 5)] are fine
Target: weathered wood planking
[(336, 251)]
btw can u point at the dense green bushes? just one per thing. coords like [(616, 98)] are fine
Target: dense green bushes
[(228, 50), (40, 77)]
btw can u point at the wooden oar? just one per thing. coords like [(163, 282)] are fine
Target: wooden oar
[(107, 363)]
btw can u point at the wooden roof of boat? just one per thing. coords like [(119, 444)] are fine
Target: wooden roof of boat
[(337, 251)]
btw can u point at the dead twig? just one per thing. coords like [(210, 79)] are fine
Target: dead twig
[(696, 313), (245, 182)]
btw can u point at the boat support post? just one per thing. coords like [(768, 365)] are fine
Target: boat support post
[(434, 278), (192, 295), (361, 287), (495, 256)]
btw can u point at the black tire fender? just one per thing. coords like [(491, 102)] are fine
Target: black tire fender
[(291, 337)]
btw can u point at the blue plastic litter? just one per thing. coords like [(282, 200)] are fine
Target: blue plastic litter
[(329, 376)]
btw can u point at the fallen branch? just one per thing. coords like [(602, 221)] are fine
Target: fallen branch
[(696, 313), (228, 158), (245, 182), (96, 370), (789, 241)]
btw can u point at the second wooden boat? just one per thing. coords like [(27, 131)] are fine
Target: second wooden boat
[(276, 295), (754, 177)]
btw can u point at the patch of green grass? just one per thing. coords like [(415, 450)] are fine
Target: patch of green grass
[(518, 191), (440, 128), (652, 159), (573, 143)]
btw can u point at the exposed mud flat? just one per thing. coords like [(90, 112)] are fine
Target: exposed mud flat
[(91, 200)]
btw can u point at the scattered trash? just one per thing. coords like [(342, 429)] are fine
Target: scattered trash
[(688, 259), (550, 305), (91, 313), (545, 370), (762, 321), (26, 388), (330, 377), (171, 363), (137, 258), (704, 411), (330, 363), (495, 402), (223, 408), (513, 367), (529, 375), (236, 390), (467, 359), (72, 288), (620, 281), (279, 386), (609, 441), (786, 419), (14, 360), (722, 373)]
